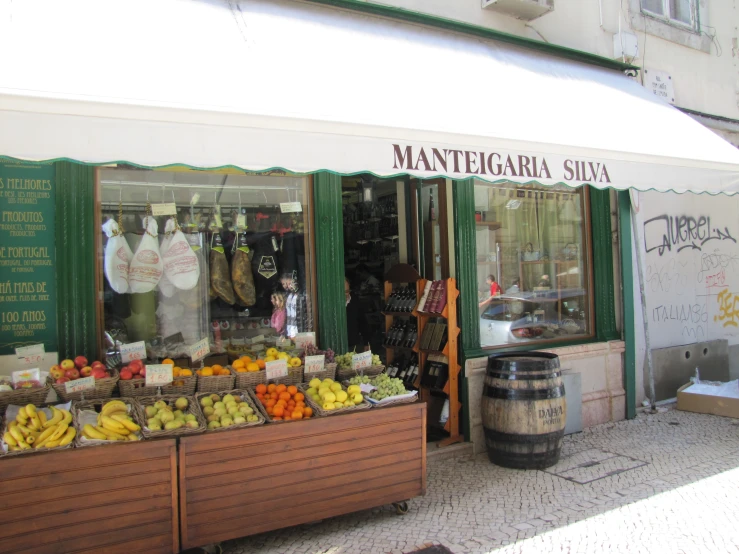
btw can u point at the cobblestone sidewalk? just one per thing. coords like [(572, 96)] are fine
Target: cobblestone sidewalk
[(664, 483)]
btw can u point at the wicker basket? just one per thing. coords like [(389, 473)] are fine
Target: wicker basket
[(248, 379), (319, 411), (134, 388), (346, 374), (103, 389), (294, 377), (21, 397), (187, 388), (5, 421), (141, 403), (245, 397), (409, 400), (96, 406), (215, 383), (329, 372)]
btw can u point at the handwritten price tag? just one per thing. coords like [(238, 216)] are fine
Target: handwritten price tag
[(164, 209), (241, 221), (133, 351), (200, 349), (276, 369), (158, 374), (258, 339), (79, 385), (304, 339), (314, 364), (30, 354), (290, 207), (360, 361)]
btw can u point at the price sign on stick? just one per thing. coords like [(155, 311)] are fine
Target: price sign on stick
[(158, 375), (79, 385), (276, 369), (290, 207), (304, 339), (200, 349), (133, 351), (30, 354), (164, 209), (314, 364), (361, 361)]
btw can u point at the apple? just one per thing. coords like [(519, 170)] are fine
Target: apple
[(80, 362), (136, 363), (142, 372), (134, 368), (56, 372), (61, 380), (72, 374), (126, 374), (86, 371), (138, 376), (66, 364), (96, 364), (99, 373)]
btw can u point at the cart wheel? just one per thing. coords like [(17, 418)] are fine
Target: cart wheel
[(401, 508)]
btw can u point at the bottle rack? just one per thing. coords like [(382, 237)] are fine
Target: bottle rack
[(404, 274)]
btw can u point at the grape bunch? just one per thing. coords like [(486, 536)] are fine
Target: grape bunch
[(312, 350), (344, 361), (386, 386), (359, 380)]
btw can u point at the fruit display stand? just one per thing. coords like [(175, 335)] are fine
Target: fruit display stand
[(119, 498), (331, 466)]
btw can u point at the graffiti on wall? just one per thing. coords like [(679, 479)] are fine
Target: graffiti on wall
[(665, 232), (728, 309)]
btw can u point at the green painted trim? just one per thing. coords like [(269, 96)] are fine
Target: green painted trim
[(329, 240), (477, 31), (604, 293), (76, 257), (465, 261), (627, 293)]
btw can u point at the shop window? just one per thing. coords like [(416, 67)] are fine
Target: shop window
[(244, 268), (533, 269), (681, 12)]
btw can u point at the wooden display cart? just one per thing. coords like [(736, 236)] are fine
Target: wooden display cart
[(239, 483), (117, 499)]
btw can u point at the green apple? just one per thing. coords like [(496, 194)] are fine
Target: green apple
[(315, 383), (206, 401)]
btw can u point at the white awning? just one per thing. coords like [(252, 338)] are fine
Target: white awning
[(260, 84)]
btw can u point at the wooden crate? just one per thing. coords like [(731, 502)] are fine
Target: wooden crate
[(118, 498), (369, 458)]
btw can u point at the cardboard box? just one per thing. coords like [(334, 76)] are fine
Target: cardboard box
[(727, 406)]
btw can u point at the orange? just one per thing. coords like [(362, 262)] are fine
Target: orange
[(271, 402), (238, 364), (270, 410), (167, 361), (286, 416), (217, 367), (284, 396), (175, 371), (300, 404), (274, 395), (281, 388), (278, 411), (245, 359), (251, 366), (276, 418), (292, 389), (186, 373), (206, 372), (299, 396), (297, 415), (263, 401), (271, 387), (225, 371), (261, 388), (307, 412), (262, 364), (241, 370)]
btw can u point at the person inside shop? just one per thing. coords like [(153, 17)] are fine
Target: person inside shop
[(495, 290), (355, 324), (544, 282), (515, 287)]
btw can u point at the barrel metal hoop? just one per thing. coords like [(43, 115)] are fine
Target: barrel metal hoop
[(524, 376), (498, 436), (523, 394)]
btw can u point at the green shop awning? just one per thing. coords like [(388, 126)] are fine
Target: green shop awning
[(259, 84)]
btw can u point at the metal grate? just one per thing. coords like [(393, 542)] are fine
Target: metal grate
[(592, 465)]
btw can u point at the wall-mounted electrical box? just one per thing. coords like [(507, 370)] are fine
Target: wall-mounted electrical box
[(521, 9)]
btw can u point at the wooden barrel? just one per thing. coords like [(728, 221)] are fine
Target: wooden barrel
[(524, 410)]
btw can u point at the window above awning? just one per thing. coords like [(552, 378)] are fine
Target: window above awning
[(260, 84)]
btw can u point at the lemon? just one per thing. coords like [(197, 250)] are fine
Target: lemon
[(315, 383), (338, 405), (353, 389), (295, 362), (283, 356), (341, 396), (329, 397), (328, 406), (272, 352)]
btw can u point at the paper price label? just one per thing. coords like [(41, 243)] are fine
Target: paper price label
[(79, 385), (276, 369), (241, 221), (200, 349), (360, 361), (133, 351), (314, 364), (304, 339), (30, 354), (158, 374), (25, 375), (164, 209), (290, 207), (258, 339)]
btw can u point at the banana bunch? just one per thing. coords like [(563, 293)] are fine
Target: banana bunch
[(114, 424), (32, 430)]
